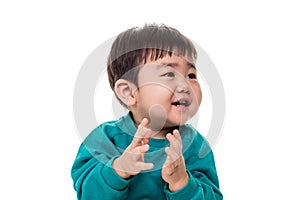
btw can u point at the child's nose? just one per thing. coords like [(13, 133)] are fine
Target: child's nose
[(182, 86)]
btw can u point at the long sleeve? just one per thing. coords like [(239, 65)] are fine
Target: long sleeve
[(92, 170), (203, 181), (196, 188)]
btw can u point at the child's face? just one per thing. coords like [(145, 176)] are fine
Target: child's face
[(168, 94)]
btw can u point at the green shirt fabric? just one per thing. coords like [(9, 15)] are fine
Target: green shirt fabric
[(94, 178)]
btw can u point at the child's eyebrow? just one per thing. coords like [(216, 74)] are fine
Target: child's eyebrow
[(175, 64)]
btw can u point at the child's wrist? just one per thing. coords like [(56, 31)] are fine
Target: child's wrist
[(173, 187)]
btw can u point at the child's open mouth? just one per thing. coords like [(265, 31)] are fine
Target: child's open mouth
[(181, 103)]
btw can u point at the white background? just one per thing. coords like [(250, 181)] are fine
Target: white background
[(254, 45)]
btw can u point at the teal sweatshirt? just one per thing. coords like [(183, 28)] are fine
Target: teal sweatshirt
[(94, 178)]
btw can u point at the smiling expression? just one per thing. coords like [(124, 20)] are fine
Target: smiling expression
[(168, 92)]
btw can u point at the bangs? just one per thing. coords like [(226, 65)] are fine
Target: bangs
[(155, 54)]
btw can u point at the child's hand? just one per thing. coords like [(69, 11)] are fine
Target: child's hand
[(174, 171), (131, 162)]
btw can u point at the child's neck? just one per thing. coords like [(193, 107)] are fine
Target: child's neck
[(162, 133)]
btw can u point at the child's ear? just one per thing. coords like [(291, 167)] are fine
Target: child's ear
[(125, 91)]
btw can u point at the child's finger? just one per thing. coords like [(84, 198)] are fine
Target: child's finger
[(170, 137), (172, 155), (141, 134), (177, 138), (169, 166), (142, 129), (167, 161), (175, 142), (177, 135), (141, 149), (144, 166)]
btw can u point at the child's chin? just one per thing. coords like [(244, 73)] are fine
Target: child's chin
[(177, 123)]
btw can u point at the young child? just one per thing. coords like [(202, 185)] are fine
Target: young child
[(150, 153)]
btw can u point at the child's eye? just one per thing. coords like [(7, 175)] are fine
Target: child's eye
[(169, 74), (192, 76)]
